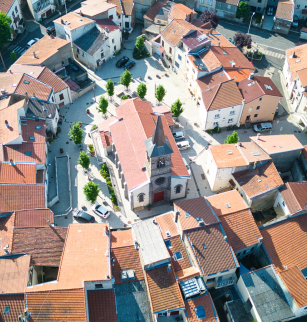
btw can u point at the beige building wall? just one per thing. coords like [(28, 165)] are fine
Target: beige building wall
[(264, 109)]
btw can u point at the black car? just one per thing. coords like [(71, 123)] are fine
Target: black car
[(83, 216), (123, 61), (50, 30), (130, 64)]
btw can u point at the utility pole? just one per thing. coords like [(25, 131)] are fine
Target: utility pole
[(3, 62)]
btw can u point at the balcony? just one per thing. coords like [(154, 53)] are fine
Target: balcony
[(41, 5), (220, 282)]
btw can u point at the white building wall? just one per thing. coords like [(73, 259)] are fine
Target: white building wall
[(299, 6), (136, 192), (211, 170), (39, 16), (279, 201), (67, 97), (288, 77), (183, 181), (15, 12)]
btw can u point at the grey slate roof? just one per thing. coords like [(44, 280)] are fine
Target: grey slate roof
[(37, 107), (91, 41), (238, 313), (267, 295)]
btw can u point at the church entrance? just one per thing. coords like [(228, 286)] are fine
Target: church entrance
[(159, 196)]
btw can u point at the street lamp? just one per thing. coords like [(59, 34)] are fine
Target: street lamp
[(250, 22)]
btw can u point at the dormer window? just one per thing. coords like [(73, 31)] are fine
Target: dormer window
[(161, 163)]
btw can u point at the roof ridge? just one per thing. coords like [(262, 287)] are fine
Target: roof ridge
[(289, 187), (59, 272)]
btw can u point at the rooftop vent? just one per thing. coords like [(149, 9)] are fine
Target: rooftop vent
[(298, 61), (251, 83), (167, 233), (227, 205), (2, 90), (26, 82), (80, 19), (8, 125), (187, 214), (201, 223), (14, 85), (255, 154), (268, 87), (229, 152), (259, 180), (224, 53)]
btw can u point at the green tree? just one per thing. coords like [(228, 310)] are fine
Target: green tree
[(76, 133), (110, 87), (232, 138), (84, 160), (13, 56), (123, 97), (177, 108), (160, 93), (139, 44), (243, 10), (125, 78), (141, 90), (91, 191), (103, 105), (5, 29)]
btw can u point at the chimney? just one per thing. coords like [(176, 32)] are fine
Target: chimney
[(11, 72), (34, 55), (45, 112), (233, 64), (34, 95), (255, 165), (11, 162), (177, 213), (6, 249), (106, 231), (251, 76), (219, 44), (48, 221), (211, 30), (258, 135), (8, 125), (62, 21), (27, 97)]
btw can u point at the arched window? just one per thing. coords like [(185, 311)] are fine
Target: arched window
[(178, 188), (160, 181), (161, 163), (141, 197)]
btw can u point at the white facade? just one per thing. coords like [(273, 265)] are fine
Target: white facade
[(280, 203), (300, 5), (208, 5), (179, 181), (41, 9), (63, 97), (63, 31), (136, 193), (15, 14), (288, 77)]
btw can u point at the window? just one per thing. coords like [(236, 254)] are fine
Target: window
[(160, 181), (16, 9), (256, 115), (210, 280), (204, 246), (252, 249), (297, 6), (200, 312), (161, 163), (16, 147), (61, 97), (111, 16), (98, 286), (102, 54), (127, 275), (126, 16), (179, 57), (215, 124), (118, 16), (201, 1), (244, 252), (23, 122), (230, 120), (6, 309), (259, 1), (38, 127), (232, 113), (258, 9), (162, 314), (168, 244), (78, 50), (250, 109), (228, 6), (114, 48), (28, 153), (225, 271), (210, 2), (283, 203), (170, 50), (13, 14), (127, 24), (141, 197), (32, 138), (176, 64), (217, 116), (258, 108), (113, 41), (178, 188), (178, 256), (260, 99), (193, 70), (238, 254), (162, 43)]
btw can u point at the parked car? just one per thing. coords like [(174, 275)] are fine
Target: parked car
[(270, 11), (130, 64), (263, 127), (295, 21), (83, 216), (179, 136), (183, 145), (32, 42), (123, 61), (50, 30), (102, 211)]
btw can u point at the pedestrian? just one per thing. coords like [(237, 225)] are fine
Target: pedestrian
[(89, 134)]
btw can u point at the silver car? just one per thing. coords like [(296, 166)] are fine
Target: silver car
[(183, 145), (100, 210)]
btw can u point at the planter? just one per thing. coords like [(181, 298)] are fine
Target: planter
[(148, 209), (88, 111), (61, 151)]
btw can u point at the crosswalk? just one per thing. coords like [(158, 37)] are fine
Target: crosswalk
[(17, 49), (273, 54)]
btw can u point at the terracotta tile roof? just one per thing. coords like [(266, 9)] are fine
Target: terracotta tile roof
[(232, 198), (45, 48), (218, 40), (252, 152), (285, 10), (104, 131), (177, 246), (180, 11), (187, 273), (240, 229), (44, 244), (33, 218), (57, 306), (29, 130), (74, 19), (164, 292), (238, 74), (51, 79), (231, 2), (167, 223), (18, 197), (209, 60), (153, 10), (17, 306), (302, 74), (128, 7), (211, 249), (283, 249), (199, 24), (196, 208), (107, 23), (193, 40), (102, 306), (121, 238), (92, 8), (165, 110), (125, 258), (6, 5), (295, 196), (296, 284), (289, 199), (227, 156), (6, 232), (297, 59), (176, 30), (212, 79), (207, 303), (9, 81), (18, 173), (17, 152), (256, 87), (119, 10), (263, 178), (8, 134), (14, 273), (222, 95), (272, 144), (33, 71)]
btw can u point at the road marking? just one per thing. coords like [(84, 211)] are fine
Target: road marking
[(22, 52), (18, 49), (273, 54), (11, 47)]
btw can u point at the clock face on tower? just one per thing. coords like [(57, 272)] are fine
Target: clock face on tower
[(161, 163)]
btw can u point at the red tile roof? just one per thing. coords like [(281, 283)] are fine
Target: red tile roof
[(196, 208), (285, 10), (302, 74), (296, 284), (180, 11), (282, 247), (193, 40), (44, 244), (121, 238), (263, 178), (6, 232), (241, 229), (18, 197), (209, 60), (128, 7), (51, 79), (153, 10), (207, 303), (231, 2), (187, 273), (164, 110), (17, 307), (164, 292), (33, 71), (104, 131), (30, 130), (295, 196), (107, 23), (252, 152), (167, 223), (177, 246), (17, 152), (227, 156), (126, 258), (102, 306), (6, 5), (57, 306), (238, 74), (10, 81), (212, 79), (33, 218), (20, 173), (211, 249)]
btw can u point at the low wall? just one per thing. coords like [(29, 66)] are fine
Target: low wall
[(77, 94)]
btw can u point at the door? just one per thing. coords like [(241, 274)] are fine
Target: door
[(247, 118), (49, 12), (159, 196), (174, 313)]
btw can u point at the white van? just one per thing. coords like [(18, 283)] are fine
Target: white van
[(183, 145)]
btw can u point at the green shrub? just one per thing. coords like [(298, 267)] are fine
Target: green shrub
[(209, 131), (217, 130), (124, 97), (94, 127), (258, 17), (117, 52), (91, 148)]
